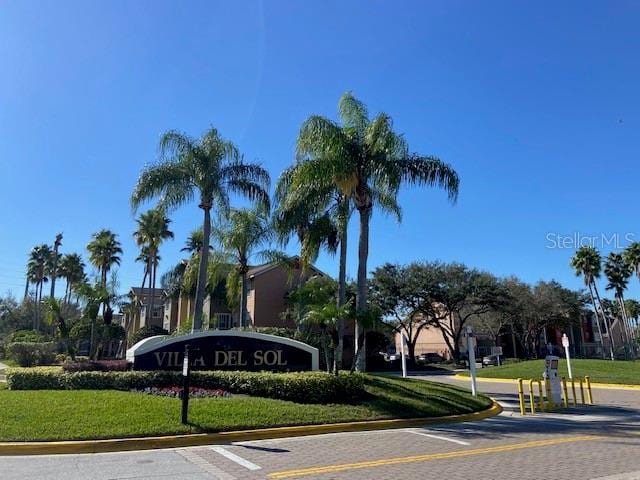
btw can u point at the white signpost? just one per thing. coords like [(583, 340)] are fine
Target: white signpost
[(565, 344), (472, 361), (403, 358)]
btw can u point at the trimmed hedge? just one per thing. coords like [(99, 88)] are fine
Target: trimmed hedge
[(303, 387)]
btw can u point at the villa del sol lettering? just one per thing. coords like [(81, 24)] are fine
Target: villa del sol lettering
[(215, 350), (221, 358)]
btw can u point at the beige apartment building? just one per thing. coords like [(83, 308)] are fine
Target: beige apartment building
[(268, 288)]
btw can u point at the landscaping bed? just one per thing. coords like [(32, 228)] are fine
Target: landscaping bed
[(599, 371), (95, 414)]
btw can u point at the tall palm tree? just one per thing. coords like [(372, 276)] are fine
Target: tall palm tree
[(319, 218), (240, 234), (631, 256), (104, 252), (618, 272), (210, 167), (71, 268), (39, 266), (153, 229), (587, 263), (368, 162), (194, 242)]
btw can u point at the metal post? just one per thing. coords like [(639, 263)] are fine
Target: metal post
[(186, 371), (403, 359), (565, 397), (589, 393), (532, 397), (565, 344), (582, 391), (523, 410), (472, 361)]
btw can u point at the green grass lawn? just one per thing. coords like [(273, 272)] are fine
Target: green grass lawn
[(85, 414), (603, 371)]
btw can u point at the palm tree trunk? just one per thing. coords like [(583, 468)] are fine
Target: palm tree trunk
[(593, 301), (202, 269), (342, 295), (607, 325), (147, 311), (39, 302), (26, 289), (361, 300), (144, 280), (243, 298), (152, 300)]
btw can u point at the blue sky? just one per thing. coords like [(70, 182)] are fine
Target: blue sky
[(535, 104)]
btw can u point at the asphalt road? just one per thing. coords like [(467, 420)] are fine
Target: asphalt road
[(600, 442)]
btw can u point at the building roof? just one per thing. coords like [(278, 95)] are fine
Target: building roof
[(267, 267)]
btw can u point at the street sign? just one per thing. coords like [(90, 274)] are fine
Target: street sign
[(565, 340), (496, 350)]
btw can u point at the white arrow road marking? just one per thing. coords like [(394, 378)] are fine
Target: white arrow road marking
[(236, 458)]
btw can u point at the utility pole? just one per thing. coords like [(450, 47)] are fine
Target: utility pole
[(56, 246)]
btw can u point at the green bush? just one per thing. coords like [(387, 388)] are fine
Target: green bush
[(302, 387), (28, 336), (27, 354)]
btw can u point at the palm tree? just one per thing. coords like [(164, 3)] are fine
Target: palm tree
[(618, 272), (39, 266), (194, 242), (587, 263), (319, 218), (367, 162), (71, 268), (240, 234), (153, 229), (210, 167), (104, 252)]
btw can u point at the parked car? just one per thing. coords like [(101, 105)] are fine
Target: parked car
[(494, 360), (430, 357)]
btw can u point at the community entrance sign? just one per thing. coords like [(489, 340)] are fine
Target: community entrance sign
[(223, 350)]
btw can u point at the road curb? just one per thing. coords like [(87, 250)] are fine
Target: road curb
[(606, 386), (174, 441)]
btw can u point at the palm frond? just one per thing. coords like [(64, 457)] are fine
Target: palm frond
[(429, 171), (353, 113)]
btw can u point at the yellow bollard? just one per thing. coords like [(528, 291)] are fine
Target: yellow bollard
[(589, 393), (565, 393), (523, 410), (542, 408), (582, 391), (532, 397), (573, 388)]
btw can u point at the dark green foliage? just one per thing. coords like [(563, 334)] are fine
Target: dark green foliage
[(27, 354), (28, 336), (146, 332), (306, 387)]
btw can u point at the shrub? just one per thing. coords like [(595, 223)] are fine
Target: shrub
[(302, 387), (27, 354), (28, 336), (95, 366), (145, 332)]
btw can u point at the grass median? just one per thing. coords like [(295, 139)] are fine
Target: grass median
[(600, 371), (42, 415)]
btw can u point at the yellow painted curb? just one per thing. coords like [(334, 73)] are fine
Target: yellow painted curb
[(173, 441), (609, 386)]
